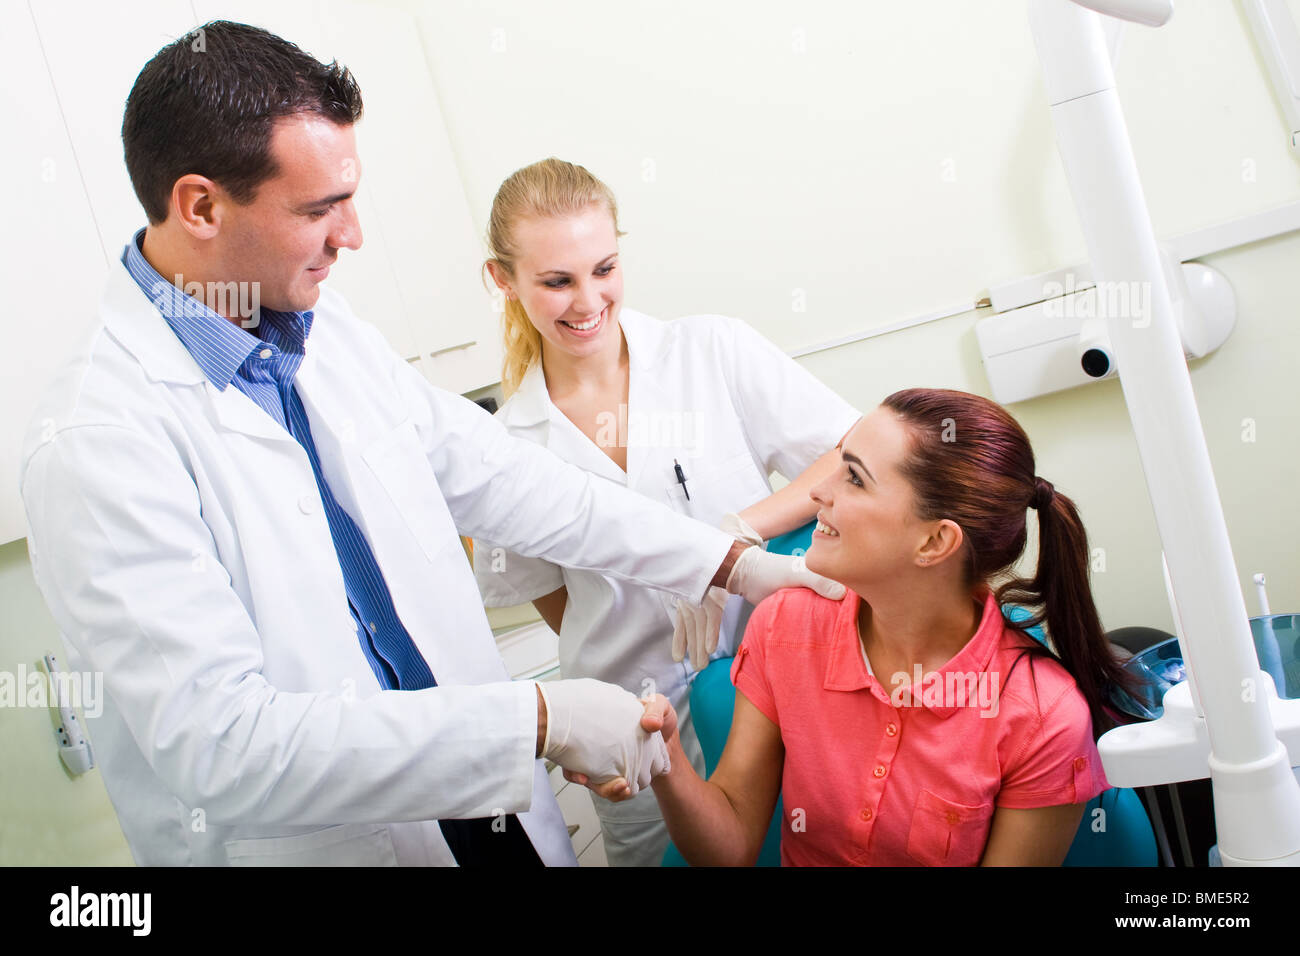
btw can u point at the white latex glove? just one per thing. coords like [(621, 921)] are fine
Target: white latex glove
[(696, 628), (594, 729), (757, 574)]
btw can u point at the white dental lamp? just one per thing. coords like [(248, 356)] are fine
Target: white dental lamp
[(1229, 728)]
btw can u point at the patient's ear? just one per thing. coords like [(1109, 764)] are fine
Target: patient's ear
[(945, 539)]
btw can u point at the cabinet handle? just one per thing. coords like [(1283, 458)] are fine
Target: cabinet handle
[(452, 348)]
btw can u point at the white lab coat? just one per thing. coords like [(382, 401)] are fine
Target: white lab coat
[(178, 536), (731, 408)]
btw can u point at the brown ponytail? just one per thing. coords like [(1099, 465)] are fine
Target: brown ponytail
[(971, 462)]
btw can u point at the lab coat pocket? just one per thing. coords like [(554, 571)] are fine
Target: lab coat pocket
[(352, 844), (945, 833), (715, 487), (397, 460)]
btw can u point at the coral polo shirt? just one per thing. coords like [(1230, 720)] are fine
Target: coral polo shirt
[(881, 774)]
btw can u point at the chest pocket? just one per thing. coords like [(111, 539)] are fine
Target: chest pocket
[(715, 487), (944, 833), (397, 460)]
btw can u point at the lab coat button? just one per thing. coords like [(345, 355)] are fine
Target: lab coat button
[(307, 504)]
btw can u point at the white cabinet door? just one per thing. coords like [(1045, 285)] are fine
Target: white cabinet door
[(54, 256), (94, 54), (365, 276), (419, 199)]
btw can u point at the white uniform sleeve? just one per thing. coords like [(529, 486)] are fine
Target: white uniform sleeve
[(506, 578), (511, 491), (790, 417), (133, 579)]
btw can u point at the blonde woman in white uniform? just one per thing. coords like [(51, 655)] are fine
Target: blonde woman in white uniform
[(632, 399)]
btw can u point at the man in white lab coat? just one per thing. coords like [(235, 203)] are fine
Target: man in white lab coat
[(247, 520)]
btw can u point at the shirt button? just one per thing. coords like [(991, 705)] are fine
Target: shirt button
[(265, 353), (891, 730), (879, 771), (866, 814), (372, 627), (1080, 763), (307, 504), (952, 818)]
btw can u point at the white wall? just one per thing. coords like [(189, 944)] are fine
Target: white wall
[(885, 160)]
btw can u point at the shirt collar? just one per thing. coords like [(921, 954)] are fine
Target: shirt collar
[(846, 670), (217, 345)]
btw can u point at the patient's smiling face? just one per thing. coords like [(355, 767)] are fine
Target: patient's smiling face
[(868, 530)]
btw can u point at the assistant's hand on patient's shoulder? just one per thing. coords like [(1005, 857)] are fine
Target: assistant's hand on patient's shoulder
[(658, 719), (757, 574)]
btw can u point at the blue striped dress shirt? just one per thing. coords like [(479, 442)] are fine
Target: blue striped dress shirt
[(263, 369)]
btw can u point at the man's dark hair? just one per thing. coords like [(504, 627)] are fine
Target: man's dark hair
[(207, 102)]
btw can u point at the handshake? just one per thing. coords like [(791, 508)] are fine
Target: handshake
[(598, 733)]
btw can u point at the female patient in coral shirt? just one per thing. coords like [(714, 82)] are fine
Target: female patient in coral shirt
[(911, 723)]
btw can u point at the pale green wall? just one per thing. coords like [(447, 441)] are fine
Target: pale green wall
[(47, 816)]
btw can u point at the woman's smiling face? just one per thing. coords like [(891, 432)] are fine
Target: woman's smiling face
[(568, 279), (867, 528)]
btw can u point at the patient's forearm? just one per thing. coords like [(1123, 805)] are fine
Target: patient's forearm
[(704, 826), (791, 507)]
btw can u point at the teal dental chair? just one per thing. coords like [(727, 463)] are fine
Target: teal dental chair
[(1119, 835)]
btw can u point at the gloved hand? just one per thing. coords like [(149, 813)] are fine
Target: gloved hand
[(696, 628), (594, 729), (659, 715), (757, 574)]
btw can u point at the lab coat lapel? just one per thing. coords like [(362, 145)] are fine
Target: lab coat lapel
[(569, 442), (237, 412), (341, 429), (648, 394), (133, 319)]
